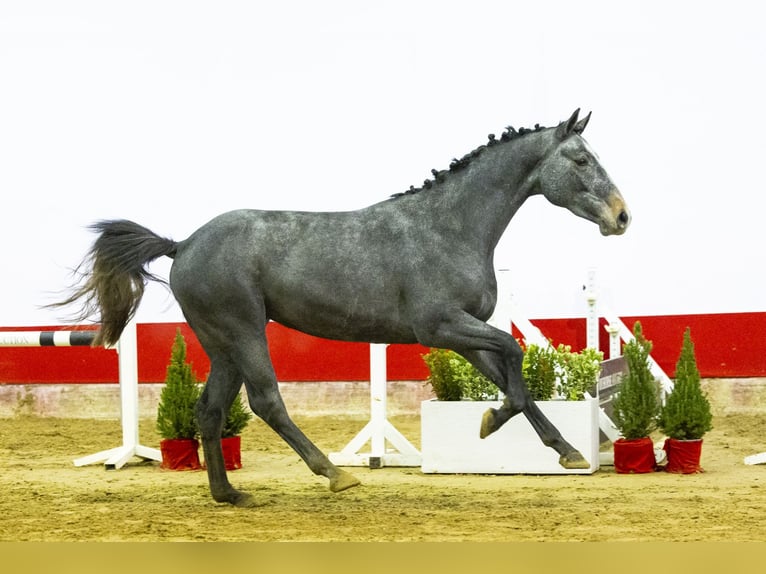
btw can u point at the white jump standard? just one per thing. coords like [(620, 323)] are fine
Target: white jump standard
[(379, 429), (127, 357)]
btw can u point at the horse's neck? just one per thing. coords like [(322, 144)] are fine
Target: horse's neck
[(483, 197)]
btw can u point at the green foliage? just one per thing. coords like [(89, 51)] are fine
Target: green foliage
[(549, 369), (636, 406), (476, 387), (686, 414), (581, 372), (179, 396), (453, 378), (539, 369), (441, 377), (238, 418)]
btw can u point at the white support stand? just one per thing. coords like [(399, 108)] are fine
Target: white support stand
[(115, 458), (379, 429), (756, 459)]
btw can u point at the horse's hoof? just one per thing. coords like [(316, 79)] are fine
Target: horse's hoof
[(237, 498), (573, 461), (343, 481), (487, 423)]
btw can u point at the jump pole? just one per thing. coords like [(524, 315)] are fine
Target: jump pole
[(127, 356), (379, 429)]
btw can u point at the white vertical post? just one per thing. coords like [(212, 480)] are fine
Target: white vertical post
[(378, 429), (127, 360), (591, 320), (378, 399), (614, 341)]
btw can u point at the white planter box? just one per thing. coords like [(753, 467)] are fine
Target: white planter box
[(450, 440)]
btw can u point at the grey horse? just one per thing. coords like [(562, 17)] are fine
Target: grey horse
[(417, 267)]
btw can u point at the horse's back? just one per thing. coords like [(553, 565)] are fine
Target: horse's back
[(267, 240), (331, 274)]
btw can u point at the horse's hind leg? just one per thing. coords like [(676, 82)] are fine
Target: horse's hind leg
[(266, 402), (220, 391)]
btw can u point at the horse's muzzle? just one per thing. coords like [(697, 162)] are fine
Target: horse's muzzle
[(618, 219)]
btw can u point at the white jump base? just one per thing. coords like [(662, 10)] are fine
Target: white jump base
[(115, 458), (378, 431), (127, 356)]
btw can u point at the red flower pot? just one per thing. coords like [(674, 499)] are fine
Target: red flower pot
[(634, 456), (232, 452), (180, 454), (683, 456)]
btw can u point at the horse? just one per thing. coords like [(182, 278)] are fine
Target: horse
[(414, 268)]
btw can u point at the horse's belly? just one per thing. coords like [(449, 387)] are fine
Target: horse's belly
[(366, 322)]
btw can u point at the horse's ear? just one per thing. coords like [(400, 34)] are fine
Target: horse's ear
[(580, 126), (565, 129)]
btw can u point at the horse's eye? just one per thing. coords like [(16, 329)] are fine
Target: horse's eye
[(581, 161)]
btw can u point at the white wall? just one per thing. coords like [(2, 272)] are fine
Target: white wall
[(170, 112)]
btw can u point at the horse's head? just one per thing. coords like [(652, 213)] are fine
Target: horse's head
[(571, 176)]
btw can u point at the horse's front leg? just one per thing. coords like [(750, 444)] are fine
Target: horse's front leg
[(498, 356), (570, 457)]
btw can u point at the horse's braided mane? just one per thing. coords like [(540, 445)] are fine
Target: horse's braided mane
[(509, 134)]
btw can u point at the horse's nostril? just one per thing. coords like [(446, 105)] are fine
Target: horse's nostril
[(623, 217)]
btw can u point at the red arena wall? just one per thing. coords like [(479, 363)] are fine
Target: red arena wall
[(727, 345)]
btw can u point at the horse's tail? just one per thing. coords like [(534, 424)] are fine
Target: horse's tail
[(113, 275)]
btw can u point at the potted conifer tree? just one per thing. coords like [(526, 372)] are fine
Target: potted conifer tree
[(176, 421), (685, 417), (636, 407)]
